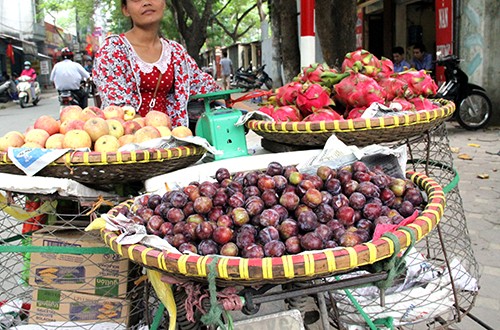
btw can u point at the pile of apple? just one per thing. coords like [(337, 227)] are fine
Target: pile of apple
[(276, 211), (103, 130)]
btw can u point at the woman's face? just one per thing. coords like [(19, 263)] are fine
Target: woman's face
[(144, 12)]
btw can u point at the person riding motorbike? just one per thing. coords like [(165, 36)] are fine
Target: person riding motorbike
[(67, 75), (30, 72)]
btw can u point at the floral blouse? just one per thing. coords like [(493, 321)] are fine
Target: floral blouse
[(117, 75)]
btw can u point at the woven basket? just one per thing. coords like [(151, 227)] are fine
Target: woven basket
[(101, 168), (313, 264), (360, 132)]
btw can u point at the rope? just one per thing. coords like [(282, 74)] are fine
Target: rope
[(356, 304), (158, 317), (214, 315), (395, 265), (100, 201)]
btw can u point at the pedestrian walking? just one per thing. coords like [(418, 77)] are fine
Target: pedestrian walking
[(226, 69)]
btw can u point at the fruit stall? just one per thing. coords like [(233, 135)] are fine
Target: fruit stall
[(345, 214)]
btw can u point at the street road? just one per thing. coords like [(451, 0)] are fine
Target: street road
[(14, 118)]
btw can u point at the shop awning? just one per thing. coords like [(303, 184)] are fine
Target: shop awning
[(28, 47), (44, 56)]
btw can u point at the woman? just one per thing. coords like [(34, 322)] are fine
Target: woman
[(142, 69)]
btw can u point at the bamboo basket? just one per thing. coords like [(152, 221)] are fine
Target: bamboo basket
[(359, 132), (288, 268), (101, 168)]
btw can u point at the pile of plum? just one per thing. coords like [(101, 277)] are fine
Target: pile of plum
[(277, 211)]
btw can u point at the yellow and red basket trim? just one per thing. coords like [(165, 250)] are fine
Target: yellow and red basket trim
[(104, 168), (92, 158)]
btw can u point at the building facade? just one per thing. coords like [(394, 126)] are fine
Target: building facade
[(466, 28)]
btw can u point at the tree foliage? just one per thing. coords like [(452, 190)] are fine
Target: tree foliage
[(80, 14), (200, 24), (237, 20)]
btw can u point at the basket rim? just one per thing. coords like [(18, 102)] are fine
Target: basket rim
[(359, 124), (316, 263), (93, 158)]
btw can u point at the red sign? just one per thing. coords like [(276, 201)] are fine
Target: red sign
[(444, 33), (359, 28)]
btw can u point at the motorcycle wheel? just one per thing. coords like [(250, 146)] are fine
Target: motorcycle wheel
[(475, 111), (269, 83), (35, 102), (23, 101)]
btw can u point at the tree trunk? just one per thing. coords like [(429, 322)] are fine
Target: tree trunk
[(193, 35), (284, 18), (335, 28)]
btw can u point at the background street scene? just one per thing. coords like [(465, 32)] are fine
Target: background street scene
[(476, 157)]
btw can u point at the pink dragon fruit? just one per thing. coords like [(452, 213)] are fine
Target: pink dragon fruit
[(267, 109), (287, 113), (419, 82), (405, 104), (395, 87), (287, 94), (387, 68), (355, 113), (362, 61), (323, 114), (312, 97), (359, 90), (422, 103), (312, 73)]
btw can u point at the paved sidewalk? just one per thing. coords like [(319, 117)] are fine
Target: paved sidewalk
[(481, 200)]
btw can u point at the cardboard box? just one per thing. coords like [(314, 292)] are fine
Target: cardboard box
[(99, 274), (50, 305)]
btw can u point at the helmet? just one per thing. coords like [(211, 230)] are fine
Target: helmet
[(27, 63), (66, 53)]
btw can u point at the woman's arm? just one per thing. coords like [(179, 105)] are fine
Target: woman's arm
[(200, 82), (113, 74)]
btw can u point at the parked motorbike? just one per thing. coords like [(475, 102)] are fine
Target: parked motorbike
[(253, 79), (473, 106), (24, 91), (7, 91)]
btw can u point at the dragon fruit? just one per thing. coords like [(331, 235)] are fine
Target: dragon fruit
[(422, 103), (332, 77), (419, 82), (287, 94), (405, 104), (323, 114), (312, 97), (267, 109), (395, 87), (362, 61), (355, 113), (312, 73), (358, 90), (287, 113), (387, 68)]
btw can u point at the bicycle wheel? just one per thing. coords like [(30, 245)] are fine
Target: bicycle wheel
[(475, 111)]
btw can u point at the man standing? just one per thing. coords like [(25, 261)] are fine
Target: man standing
[(421, 59), (400, 64), (226, 69), (67, 75)]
